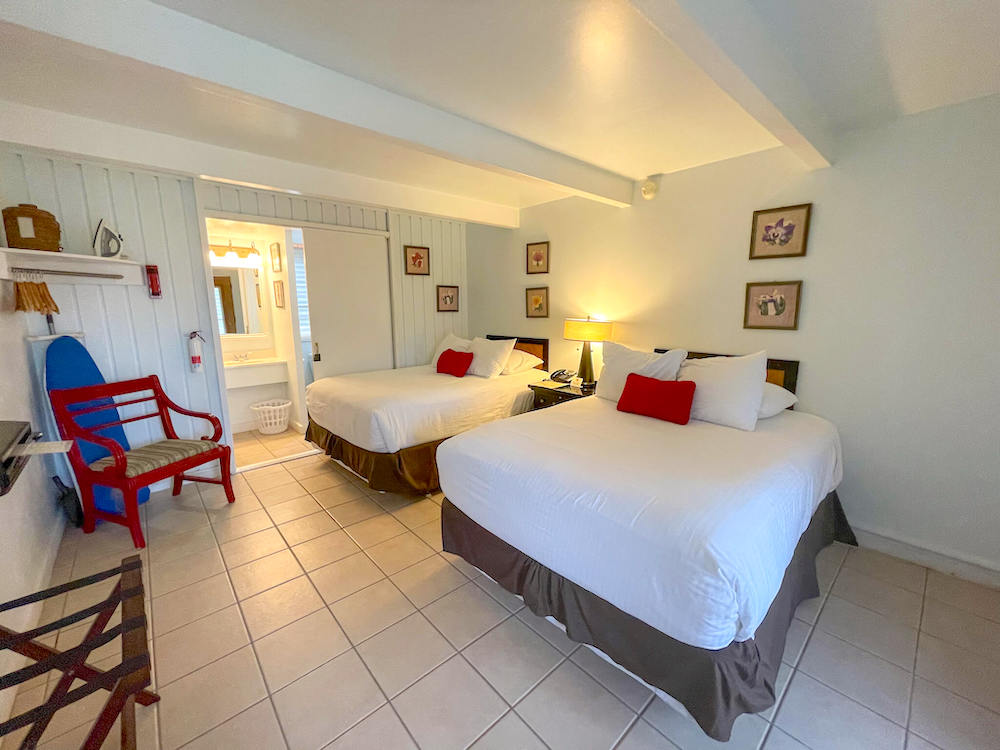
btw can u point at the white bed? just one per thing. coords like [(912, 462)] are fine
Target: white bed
[(388, 410), (687, 528)]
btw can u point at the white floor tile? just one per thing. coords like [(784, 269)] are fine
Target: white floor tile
[(869, 630), (198, 643), (182, 606), (428, 580), (510, 733), (684, 732), (962, 628), (324, 550), (896, 603), (371, 610), (513, 658), (571, 711), (280, 605), (642, 736), (450, 707), (287, 654), (890, 569), (465, 614), (344, 577), (382, 729), (252, 547), (962, 672), (823, 719), (979, 600), (629, 691), (950, 721), (403, 653), (317, 708), (257, 727), (393, 555), (264, 573)]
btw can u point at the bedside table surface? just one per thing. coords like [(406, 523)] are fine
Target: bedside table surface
[(563, 390)]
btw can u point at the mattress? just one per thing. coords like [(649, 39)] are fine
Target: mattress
[(387, 410), (686, 528)]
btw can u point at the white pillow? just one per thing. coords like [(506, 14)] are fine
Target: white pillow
[(520, 362), (619, 361), (451, 341), (775, 400), (490, 357), (728, 389)]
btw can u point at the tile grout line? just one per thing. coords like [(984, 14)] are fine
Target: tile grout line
[(913, 673)]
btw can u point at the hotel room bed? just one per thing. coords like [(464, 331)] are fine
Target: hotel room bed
[(386, 425), (680, 552)]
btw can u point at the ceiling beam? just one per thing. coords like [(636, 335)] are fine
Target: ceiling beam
[(151, 33), (727, 40), (59, 131)]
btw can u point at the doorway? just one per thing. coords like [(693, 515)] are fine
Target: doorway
[(292, 305)]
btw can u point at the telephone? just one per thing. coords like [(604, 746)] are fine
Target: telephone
[(563, 376)]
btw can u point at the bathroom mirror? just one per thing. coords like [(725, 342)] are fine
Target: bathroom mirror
[(239, 301)]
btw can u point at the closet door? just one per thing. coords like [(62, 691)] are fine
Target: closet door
[(350, 314)]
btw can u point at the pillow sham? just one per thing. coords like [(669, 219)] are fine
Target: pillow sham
[(454, 363), (669, 400), (490, 357), (619, 361), (729, 389), (775, 400), (520, 362), (451, 341)]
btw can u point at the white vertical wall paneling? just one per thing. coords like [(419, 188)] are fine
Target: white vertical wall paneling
[(127, 333), (417, 326)]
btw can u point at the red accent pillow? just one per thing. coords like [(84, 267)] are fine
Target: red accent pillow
[(669, 400), (455, 363)]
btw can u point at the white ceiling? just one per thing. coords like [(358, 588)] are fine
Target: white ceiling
[(53, 73), (867, 62), (590, 79)]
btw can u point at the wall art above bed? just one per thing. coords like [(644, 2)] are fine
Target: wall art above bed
[(417, 260), (536, 302), (773, 305), (447, 298), (780, 232), (537, 257)]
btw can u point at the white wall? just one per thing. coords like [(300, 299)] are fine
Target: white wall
[(417, 325), (32, 525), (127, 333), (898, 332)]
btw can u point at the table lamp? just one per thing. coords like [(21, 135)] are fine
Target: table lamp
[(577, 329)]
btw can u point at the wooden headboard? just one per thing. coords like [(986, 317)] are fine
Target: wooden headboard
[(783, 372), (537, 347)]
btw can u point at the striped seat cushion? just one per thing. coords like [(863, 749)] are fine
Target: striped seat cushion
[(155, 455)]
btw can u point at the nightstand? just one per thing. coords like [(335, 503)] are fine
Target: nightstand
[(548, 395)]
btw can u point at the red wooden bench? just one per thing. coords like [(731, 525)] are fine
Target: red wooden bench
[(131, 470)]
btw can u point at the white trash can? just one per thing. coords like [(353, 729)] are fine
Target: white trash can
[(272, 416)]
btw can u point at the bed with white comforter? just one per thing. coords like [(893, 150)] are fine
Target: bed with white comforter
[(687, 528), (388, 410)]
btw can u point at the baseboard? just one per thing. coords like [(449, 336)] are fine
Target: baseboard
[(970, 570)]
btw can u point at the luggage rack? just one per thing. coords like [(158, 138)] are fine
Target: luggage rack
[(126, 682)]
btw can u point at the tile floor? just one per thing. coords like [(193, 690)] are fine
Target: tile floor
[(251, 447), (316, 614)]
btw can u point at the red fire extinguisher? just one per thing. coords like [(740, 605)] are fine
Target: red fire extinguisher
[(194, 350), (153, 282)]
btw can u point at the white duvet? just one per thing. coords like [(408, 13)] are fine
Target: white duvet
[(688, 528), (387, 410)]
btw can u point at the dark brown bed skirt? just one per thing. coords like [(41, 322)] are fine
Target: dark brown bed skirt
[(716, 686), (408, 470)]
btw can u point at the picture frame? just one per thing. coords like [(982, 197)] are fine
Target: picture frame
[(536, 257), (772, 305), (279, 294), (536, 302), (781, 232), (417, 260), (275, 249), (447, 298)]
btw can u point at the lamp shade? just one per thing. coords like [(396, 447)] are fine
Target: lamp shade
[(576, 329)]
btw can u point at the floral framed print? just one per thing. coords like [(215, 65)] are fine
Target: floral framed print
[(773, 305), (447, 297), (417, 260), (780, 232), (536, 302), (537, 257)]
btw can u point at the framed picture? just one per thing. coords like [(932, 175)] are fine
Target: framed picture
[(447, 298), (417, 260), (275, 257), (536, 302), (279, 294), (773, 304), (537, 257), (780, 232)]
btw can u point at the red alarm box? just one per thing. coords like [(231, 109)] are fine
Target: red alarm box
[(153, 282)]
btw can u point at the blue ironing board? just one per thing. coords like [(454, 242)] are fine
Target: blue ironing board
[(68, 364)]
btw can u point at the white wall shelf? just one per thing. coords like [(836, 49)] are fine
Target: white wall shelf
[(62, 267)]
